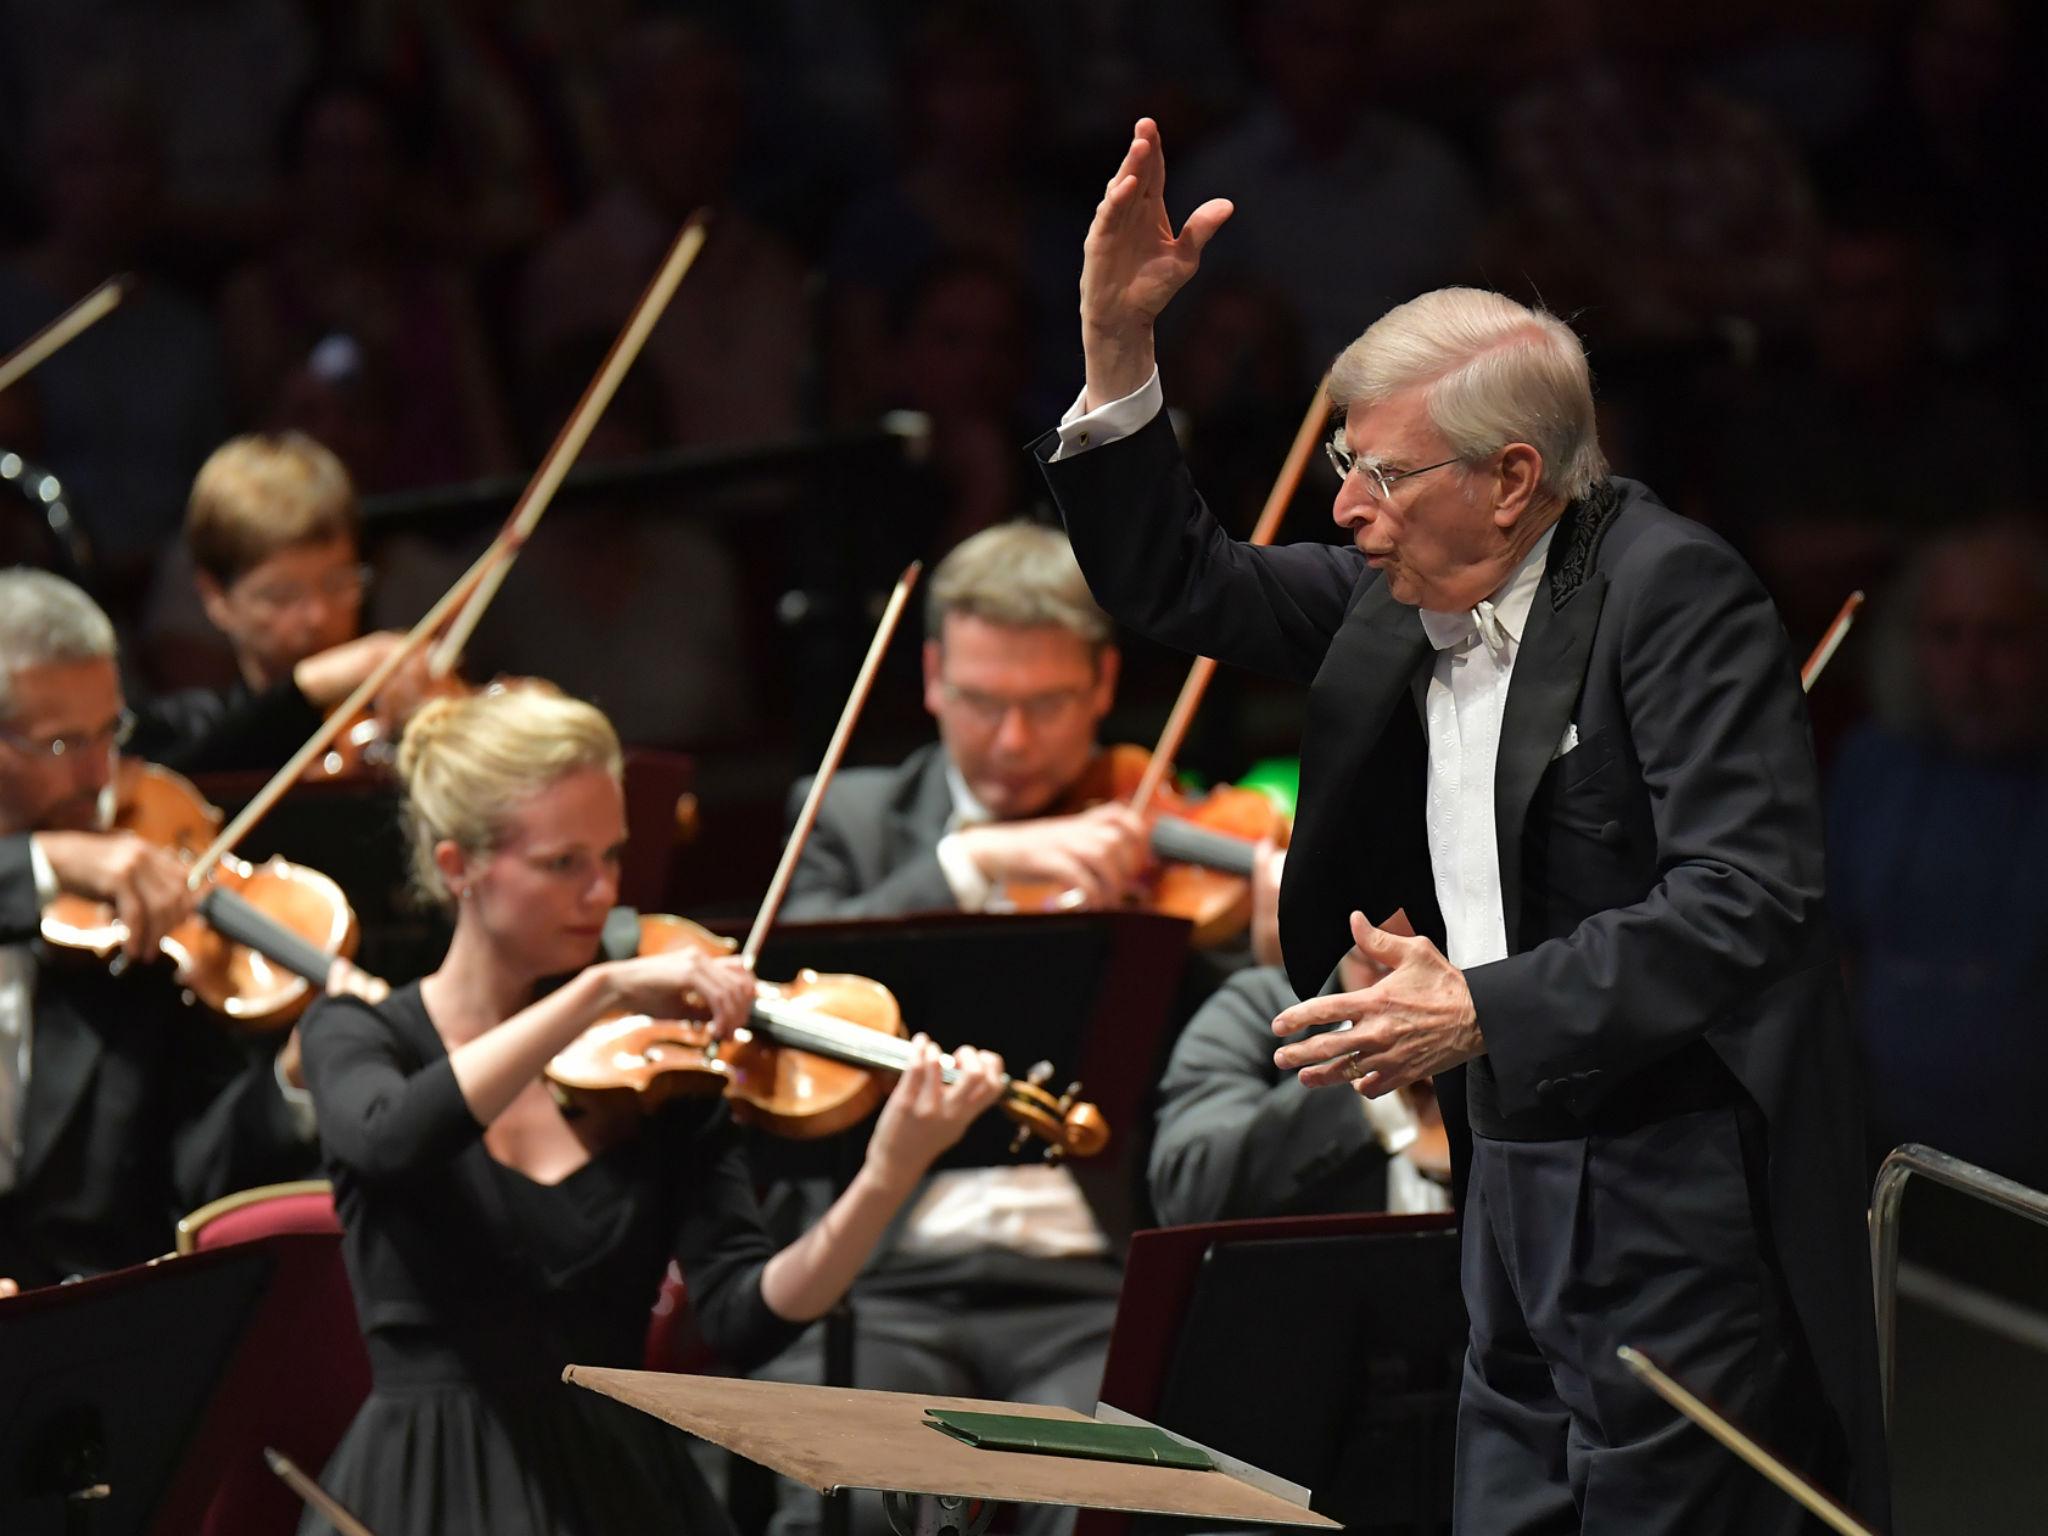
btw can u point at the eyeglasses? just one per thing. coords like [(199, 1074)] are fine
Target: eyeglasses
[(1378, 480), (110, 737), (337, 587), (989, 709)]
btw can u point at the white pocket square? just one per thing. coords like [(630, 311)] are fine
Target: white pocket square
[(1565, 743)]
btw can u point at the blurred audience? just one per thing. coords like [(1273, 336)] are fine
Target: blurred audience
[(123, 415), (1938, 855), (1341, 206), (970, 102), (730, 350), (1670, 214), (348, 267)]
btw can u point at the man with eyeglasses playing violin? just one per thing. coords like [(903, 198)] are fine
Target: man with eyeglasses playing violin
[(998, 1282), (273, 533), (120, 1107), (1018, 672)]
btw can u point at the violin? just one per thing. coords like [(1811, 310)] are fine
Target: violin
[(818, 1055), (1204, 845), (265, 939)]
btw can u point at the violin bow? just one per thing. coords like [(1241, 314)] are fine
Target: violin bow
[(569, 443), (1781, 1476), (63, 330), (834, 751), (1306, 439), (518, 527), (1829, 642), (314, 1496)]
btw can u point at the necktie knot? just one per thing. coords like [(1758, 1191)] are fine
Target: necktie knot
[(1458, 631)]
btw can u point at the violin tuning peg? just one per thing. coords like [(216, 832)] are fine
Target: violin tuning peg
[(1073, 1092), (1020, 1141), (1055, 1154), (1039, 1075)]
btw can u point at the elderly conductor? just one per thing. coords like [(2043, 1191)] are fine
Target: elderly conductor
[(1559, 730)]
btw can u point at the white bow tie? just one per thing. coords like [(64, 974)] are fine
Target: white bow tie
[(1456, 631)]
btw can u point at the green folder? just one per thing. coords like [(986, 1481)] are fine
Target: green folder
[(1069, 1437)]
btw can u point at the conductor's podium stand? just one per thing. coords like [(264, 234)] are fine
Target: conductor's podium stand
[(837, 1438)]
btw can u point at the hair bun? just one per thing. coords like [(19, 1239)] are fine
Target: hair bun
[(429, 723)]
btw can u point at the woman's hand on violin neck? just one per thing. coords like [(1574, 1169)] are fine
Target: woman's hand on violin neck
[(683, 984), (924, 1114), (1098, 852), (144, 883)]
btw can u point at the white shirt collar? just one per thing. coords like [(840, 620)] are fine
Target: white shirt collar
[(967, 810), (1506, 607)]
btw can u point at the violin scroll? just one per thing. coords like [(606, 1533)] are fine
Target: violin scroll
[(1068, 1125)]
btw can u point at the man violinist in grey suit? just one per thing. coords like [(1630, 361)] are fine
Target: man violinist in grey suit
[(1557, 730)]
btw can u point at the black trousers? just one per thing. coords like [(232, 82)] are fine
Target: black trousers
[(1657, 1237)]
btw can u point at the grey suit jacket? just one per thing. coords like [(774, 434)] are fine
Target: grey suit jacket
[(873, 850)]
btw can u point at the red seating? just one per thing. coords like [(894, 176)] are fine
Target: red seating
[(300, 1373)]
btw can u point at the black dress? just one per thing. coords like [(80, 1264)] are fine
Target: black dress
[(475, 1285)]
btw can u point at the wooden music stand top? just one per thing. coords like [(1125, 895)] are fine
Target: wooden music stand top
[(830, 1438)]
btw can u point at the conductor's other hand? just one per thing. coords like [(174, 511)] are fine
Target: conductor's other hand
[(1097, 853), (1413, 1022), (1132, 263)]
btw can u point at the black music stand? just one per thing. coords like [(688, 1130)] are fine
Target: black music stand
[(103, 1385), (1371, 1400)]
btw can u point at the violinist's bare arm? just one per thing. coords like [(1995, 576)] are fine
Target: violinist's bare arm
[(922, 1118), (1098, 852), (1132, 264), (502, 1062), (144, 883)]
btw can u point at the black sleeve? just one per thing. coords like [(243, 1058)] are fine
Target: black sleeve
[(21, 910), (205, 730), (235, 1130), (721, 1242), (381, 1113), (1160, 563), (1237, 1137), (1717, 720)]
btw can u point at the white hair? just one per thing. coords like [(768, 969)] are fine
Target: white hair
[(1496, 372), (44, 618)]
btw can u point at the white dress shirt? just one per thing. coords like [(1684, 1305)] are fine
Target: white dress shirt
[(17, 1025), (1463, 701)]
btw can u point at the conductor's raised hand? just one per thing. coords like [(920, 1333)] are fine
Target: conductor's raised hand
[(924, 1114), (1413, 1022), (1132, 263)]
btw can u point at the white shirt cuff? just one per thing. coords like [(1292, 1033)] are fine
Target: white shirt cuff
[(1393, 1121), (971, 888), (298, 1102), (1081, 430), (47, 889)]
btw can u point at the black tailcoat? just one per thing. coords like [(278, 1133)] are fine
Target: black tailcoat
[(1662, 881)]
